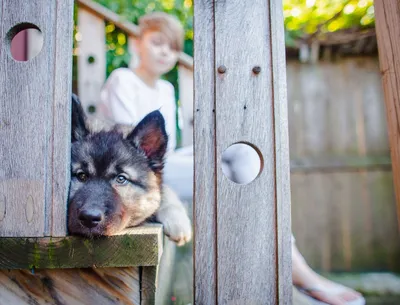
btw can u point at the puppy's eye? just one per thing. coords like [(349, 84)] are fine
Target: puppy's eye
[(121, 179), (82, 177)]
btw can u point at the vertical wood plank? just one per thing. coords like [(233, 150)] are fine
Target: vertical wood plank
[(59, 176), (148, 285), (34, 119), (246, 214), (387, 14), (185, 78), (204, 205), (91, 57), (247, 106), (282, 154)]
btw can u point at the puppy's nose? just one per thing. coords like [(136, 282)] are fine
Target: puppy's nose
[(90, 218)]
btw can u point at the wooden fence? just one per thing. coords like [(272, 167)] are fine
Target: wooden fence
[(343, 205)]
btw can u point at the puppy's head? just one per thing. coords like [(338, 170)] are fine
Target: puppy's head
[(115, 179)]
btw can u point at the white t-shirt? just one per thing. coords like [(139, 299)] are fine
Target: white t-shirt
[(126, 99)]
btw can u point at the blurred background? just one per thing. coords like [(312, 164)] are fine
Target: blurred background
[(343, 206)]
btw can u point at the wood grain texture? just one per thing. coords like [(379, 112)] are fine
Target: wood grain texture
[(92, 58), (59, 176), (148, 285), (34, 96), (247, 109), (246, 214), (204, 205), (140, 246), (103, 286), (282, 156), (388, 34)]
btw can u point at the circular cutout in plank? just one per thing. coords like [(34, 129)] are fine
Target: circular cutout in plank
[(25, 41), (242, 163)]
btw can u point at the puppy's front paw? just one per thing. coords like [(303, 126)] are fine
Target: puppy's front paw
[(177, 226)]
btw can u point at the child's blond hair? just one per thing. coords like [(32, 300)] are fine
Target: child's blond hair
[(166, 24)]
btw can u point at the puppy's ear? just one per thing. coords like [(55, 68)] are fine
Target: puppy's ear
[(79, 129), (150, 137)]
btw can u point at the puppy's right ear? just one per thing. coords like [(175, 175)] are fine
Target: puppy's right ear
[(78, 122)]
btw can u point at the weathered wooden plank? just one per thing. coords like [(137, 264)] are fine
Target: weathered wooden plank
[(148, 285), (282, 155), (248, 101), (59, 176), (204, 205), (140, 246), (92, 58), (246, 217), (185, 78), (33, 175), (103, 286), (388, 33)]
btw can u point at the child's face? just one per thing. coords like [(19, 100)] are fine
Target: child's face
[(157, 53)]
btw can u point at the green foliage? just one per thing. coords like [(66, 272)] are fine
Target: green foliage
[(304, 17)]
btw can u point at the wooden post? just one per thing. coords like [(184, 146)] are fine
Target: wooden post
[(185, 78), (91, 57), (35, 99), (242, 232), (388, 33)]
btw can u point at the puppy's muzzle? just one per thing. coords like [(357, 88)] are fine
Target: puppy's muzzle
[(90, 218)]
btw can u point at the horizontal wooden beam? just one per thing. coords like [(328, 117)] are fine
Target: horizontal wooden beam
[(140, 246), (339, 163), (128, 27)]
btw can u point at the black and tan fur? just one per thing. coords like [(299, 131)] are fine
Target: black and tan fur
[(116, 178)]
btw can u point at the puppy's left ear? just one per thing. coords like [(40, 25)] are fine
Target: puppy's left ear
[(150, 137), (78, 120)]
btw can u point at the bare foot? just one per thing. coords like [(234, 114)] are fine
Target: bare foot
[(329, 292), (320, 288)]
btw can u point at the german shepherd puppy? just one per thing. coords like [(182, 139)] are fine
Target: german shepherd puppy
[(116, 178)]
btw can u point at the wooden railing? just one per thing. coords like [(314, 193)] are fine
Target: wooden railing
[(92, 60)]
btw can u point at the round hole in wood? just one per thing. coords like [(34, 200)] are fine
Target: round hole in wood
[(25, 41), (91, 109), (91, 59), (242, 163)]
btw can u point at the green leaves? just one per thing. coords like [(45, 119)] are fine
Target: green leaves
[(305, 17)]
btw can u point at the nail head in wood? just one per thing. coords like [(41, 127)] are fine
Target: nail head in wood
[(221, 69), (256, 69)]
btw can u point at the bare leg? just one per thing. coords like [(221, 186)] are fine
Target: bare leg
[(319, 287)]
